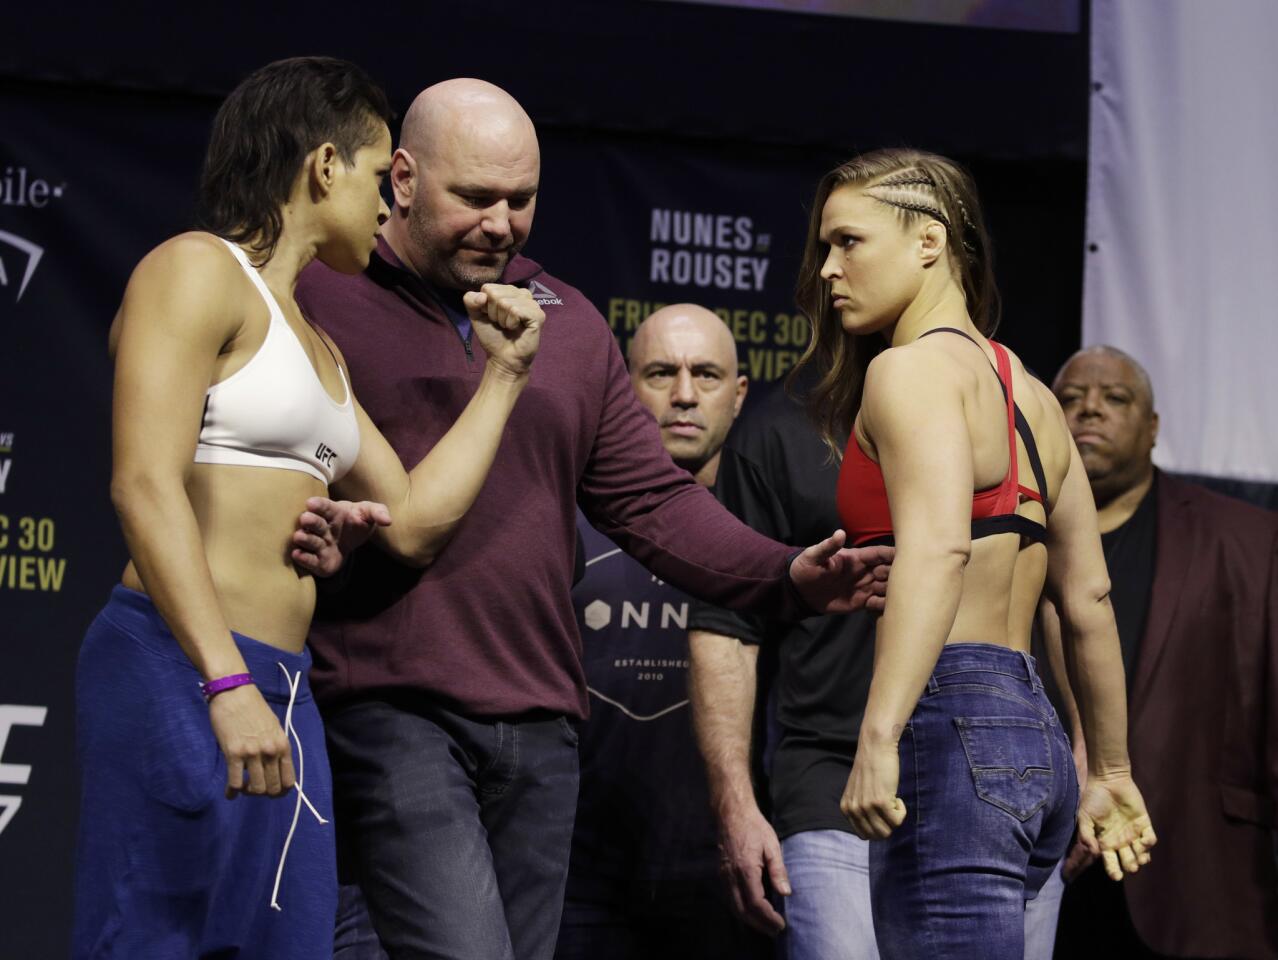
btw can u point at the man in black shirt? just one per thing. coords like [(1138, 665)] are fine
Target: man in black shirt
[(642, 877), (775, 474), (1194, 589), (1109, 404)]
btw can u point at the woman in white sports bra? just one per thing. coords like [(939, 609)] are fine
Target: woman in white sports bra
[(230, 412)]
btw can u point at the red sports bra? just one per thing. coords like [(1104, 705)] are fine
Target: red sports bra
[(862, 496)]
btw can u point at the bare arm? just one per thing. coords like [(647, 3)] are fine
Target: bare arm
[(1078, 587), (721, 686), (427, 502), (1049, 622), (1080, 856), (913, 412), (176, 317)]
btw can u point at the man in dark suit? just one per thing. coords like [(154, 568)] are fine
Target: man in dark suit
[(1195, 593)]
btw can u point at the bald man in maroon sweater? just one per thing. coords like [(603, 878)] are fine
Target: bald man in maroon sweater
[(451, 693)]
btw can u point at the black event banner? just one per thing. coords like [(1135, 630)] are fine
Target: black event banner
[(85, 188), (89, 183), (648, 224)]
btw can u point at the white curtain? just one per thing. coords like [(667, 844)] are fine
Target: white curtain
[(1182, 221)]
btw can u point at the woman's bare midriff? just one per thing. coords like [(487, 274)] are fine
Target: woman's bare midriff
[(1004, 576), (247, 516), (1001, 586)]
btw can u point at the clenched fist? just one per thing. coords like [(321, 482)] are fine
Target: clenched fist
[(507, 321), (869, 800)]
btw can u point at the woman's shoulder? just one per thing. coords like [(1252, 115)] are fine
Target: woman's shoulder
[(912, 376), (192, 250), (189, 278), (192, 266), (910, 365)]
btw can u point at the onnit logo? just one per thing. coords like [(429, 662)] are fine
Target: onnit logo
[(33, 253), (597, 615)]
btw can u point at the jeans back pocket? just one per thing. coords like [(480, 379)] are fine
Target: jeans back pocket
[(1011, 762)]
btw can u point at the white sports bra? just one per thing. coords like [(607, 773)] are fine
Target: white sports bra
[(273, 411)]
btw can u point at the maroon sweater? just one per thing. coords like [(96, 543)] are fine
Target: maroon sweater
[(488, 629)]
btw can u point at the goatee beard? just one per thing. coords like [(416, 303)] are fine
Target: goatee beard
[(472, 278)]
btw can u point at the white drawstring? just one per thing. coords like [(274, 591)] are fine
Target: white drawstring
[(293, 682)]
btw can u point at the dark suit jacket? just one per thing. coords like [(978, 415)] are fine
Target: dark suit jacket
[(1203, 720)]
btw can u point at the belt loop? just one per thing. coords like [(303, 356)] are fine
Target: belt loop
[(932, 685), (1030, 675)]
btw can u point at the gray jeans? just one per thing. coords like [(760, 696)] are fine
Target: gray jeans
[(828, 914), (456, 830)]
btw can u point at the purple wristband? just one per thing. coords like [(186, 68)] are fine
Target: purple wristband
[(214, 687)]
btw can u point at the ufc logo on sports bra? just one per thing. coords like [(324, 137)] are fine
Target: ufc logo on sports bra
[(325, 454)]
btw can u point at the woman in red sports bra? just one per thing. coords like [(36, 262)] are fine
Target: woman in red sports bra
[(963, 775)]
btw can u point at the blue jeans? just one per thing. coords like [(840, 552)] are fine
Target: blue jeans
[(828, 914), (990, 794), (456, 830)]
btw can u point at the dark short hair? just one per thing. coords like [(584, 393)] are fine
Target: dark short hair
[(264, 130)]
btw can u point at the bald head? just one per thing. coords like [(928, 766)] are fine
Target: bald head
[(683, 365), (684, 319), (465, 179), (1139, 376), (465, 109)]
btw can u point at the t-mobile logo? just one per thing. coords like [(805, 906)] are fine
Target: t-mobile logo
[(33, 254)]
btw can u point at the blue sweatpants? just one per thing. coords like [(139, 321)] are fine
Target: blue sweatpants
[(166, 867)]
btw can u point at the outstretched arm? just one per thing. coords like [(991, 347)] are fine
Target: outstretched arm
[(428, 501), (913, 412), (633, 493), (832, 578)]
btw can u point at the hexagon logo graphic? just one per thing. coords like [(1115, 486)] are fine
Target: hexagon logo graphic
[(597, 615)]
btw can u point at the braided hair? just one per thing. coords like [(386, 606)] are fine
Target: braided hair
[(916, 185)]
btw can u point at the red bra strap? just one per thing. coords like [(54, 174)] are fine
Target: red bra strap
[(1007, 497)]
